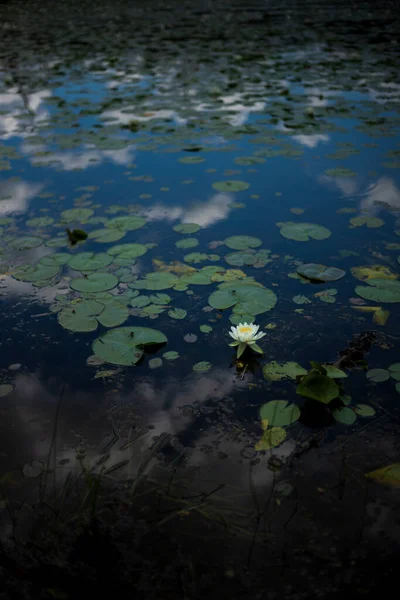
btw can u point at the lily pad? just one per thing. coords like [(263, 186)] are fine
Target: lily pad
[(380, 290), (344, 415), (159, 280), (124, 345), (74, 319), (202, 367), (327, 296), (317, 272), (95, 282), (205, 328), (187, 243), (33, 468), (198, 278), (370, 222), (274, 371), (198, 257), (192, 160), (58, 258), (303, 232), (394, 371), (90, 261), (155, 363), (334, 372), (6, 389), (106, 236), (364, 410), (160, 298), (140, 301), (26, 242), (279, 413), (76, 215), (248, 299), (177, 313), (36, 273), (40, 221), (300, 299), (230, 186), (239, 259), (186, 228), (242, 242), (318, 387), (171, 355), (372, 272), (378, 375), (127, 251), (126, 223), (271, 438), (389, 475), (114, 314)]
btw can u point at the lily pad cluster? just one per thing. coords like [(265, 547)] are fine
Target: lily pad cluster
[(246, 300)]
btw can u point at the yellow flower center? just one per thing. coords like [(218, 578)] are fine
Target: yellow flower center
[(245, 329)]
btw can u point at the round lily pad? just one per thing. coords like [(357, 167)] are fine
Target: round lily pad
[(344, 415), (271, 438), (126, 223), (177, 313), (114, 314), (274, 371), (370, 222), (364, 410), (378, 375), (242, 242), (124, 345), (159, 280), (127, 251), (95, 282), (198, 278), (239, 259), (26, 242), (279, 413), (303, 232), (187, 243), (90, 261), (191, 160), (40, 221), (230, 186), (160, 298), (58, 258), (380, 290), (186, 228), (205, 328), (73, 319), (76, 215), (202, 366), (198, 257), (155, 363), (171, 355), (317, 272), (106, 236), (38, 272), (140, 301), (6, 389), (248, 299)]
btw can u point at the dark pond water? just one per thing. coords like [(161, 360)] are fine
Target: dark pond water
[(169, 172)]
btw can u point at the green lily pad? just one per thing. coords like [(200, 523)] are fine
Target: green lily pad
[(380, 290), (126, 223), (230, 186), (127, 252), (40, 222), (57, 242), (279, 413), (75, 319), (124, 345), (153, 309), (247, 299), (38, 272), (340, 172), (186, 228), (334, 372), (198, 278), (115, 313), (90, 261), (205, 328), (389, 475), (327, 296), (58, 258), (364, 410), (370, 222), (191, 160), (271, 438), (76, 215), (187, 243), (160, 298), (202, 366), (155, 363), (6, 389), (378, 375), (274, 371), (171, 355), (303, 232), (249, 160), (318, 387), (395, 371), (242, 242), (159, 280), (95, 282), (239, 259), (317, 272), (140, 301), (106, 236), (177, 313), (26, 242), (198, 257), (300, 299), (344, 415)]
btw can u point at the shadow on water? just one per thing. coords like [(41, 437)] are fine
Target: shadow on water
[(124, 473)]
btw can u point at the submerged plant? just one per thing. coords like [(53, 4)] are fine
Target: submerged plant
[(246, 334)]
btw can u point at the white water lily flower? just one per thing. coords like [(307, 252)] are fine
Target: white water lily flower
[(246, 334)]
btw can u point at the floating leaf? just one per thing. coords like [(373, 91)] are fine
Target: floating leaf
[(187, 243), (95, 282), (271, 438), (198, 257), (334, 372), (160, 298), (344, 415), (300, 299), (239, 259), (58, 258), (370, 222), (114, 314), (36, 273), (153, 309), (190, 338), (76, 215), (303, 232), (6, 389), (389, 475), (205, 328), (274, 371), (230, 186), (80, 317), (127, 251), (340, 172), (364, 410), (317, 272), (242, 242), (177, 313), (40, 222), (248, 299), (90, 261), (378, 375), (159, 280), (171, 355), (140, 301), (368, 272), (155, 363), (124, 345), (26, 242), (33, 468), (186, 228), (202, 367), (318, 387), (126, 223), (381, 316), (394, 371), (106, 236), (380, 290), (279, 413), (228, 275)]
